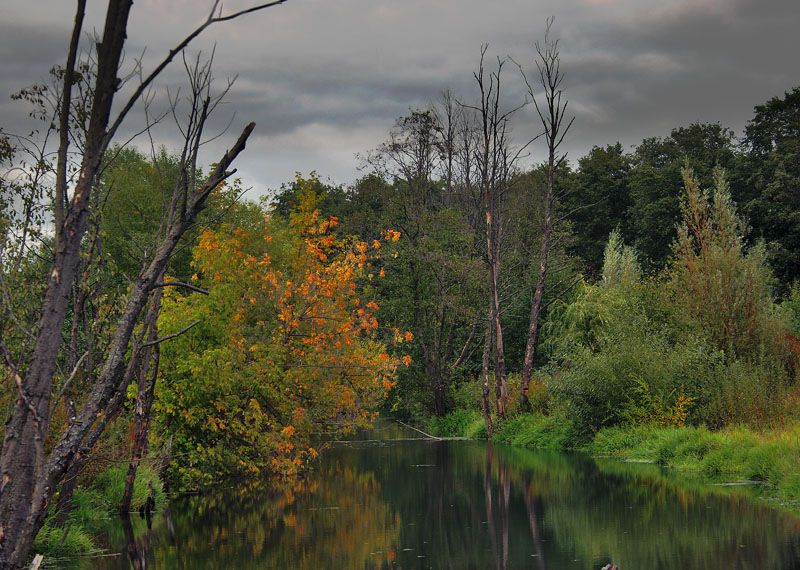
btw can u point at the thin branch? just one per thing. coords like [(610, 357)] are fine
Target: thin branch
[(579, 208), (463, 354), (175, 51), (180, 284), (18, 381), (171, 336), (564, 292), (67, 383)]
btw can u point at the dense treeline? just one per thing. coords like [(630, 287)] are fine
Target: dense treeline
[(674, 299)]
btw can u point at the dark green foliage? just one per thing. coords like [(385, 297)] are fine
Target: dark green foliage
[(772, 142), (334, 198), (600, 200), (656, 182)]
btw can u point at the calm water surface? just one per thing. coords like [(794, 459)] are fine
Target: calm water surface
[(382, 502)]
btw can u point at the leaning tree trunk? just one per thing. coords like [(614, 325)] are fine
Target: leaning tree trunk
[(147, 375), (28, 479), (22, 465)]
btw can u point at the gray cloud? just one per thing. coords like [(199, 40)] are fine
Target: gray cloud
[(325, 79)]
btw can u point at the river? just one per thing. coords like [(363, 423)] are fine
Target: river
[(392, 500)]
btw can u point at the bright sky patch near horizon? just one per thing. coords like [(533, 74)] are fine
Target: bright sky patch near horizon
[(326, 79)]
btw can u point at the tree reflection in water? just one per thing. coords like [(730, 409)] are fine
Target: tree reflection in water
[(466, 505)]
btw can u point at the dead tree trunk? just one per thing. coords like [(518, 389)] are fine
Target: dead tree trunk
[(146, 378), (492, 180), (552, 117)]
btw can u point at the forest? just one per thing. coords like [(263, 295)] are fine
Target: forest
[(161, 332)]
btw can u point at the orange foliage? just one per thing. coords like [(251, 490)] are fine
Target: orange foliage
[(297, 354)]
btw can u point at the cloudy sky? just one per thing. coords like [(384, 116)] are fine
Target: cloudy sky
[(325, 79)]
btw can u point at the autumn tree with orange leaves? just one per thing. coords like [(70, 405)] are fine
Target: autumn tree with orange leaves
[(284, 347)]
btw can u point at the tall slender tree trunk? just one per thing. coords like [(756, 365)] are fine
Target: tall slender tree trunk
[(485, 390), (538, 294), (493, 253), (551, 115)]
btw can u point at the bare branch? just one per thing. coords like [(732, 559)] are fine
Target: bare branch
[(171, 336), (212, 19), (180, 284), (68, 381)]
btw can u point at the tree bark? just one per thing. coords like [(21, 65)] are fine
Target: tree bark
[(22, 500), (147, 375), (485, 407)]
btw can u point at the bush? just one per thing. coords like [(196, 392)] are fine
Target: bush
[(456, 423), (537, 431)]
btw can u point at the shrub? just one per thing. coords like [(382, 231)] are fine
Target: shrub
[(457, 423), (537, 431)]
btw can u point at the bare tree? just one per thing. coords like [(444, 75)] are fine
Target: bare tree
[(28, 476), (495, 159), (551, 114)]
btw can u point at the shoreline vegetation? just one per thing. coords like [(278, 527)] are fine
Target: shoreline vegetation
[(731, 456)]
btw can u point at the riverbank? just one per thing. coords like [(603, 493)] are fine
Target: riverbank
[(68, 543), (734, 455)]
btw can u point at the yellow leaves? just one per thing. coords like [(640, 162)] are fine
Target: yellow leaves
[(376, 244), (407, 360), (382, 273), (408, 336), (288, 431)]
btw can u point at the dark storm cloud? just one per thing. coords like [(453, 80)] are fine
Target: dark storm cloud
[(708, 62), (324, 80), (27, 52)]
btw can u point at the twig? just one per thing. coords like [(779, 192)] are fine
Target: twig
[(18, 382), (180, 284), (71, 377), (171, 336)]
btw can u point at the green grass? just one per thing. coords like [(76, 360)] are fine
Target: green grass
[(111, 484), (458, 423), (772, 457), (91, 506), (734, 453), (536, 431)]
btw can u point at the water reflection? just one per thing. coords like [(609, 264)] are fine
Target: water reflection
[(376, 504)]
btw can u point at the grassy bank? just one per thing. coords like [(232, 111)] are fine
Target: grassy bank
[(733, 454), (69, 544)]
